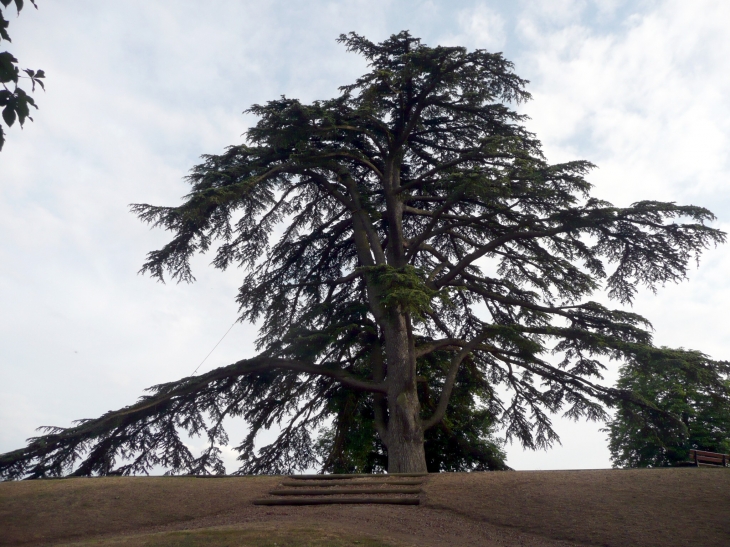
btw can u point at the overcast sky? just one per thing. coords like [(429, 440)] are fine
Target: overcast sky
[(137, 91)]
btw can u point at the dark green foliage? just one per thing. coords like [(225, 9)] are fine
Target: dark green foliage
[(351, 444), (463, 441), (15, 103), (688, 398), (419, 271)]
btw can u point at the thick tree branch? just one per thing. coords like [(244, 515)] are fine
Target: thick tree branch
[(443, 403), (445, 343)]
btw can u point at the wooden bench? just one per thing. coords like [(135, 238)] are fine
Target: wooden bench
[(702, 457)]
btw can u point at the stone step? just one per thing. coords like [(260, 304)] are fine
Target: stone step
[(339, 489), (331, 484), (336, 491), (334, 500), (353, 476)]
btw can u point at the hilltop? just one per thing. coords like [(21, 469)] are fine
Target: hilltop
[(648, 507)]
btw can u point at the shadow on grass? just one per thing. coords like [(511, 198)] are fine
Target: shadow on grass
[(236, 537)]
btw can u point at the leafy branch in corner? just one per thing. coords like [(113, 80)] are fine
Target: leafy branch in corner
[(15, 102)]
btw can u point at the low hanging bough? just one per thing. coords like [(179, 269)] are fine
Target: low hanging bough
[(430, 257)]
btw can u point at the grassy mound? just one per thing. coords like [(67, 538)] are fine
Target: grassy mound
[(614, 508), (234, 537)]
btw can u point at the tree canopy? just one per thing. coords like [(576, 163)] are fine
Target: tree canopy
[(688, 398), (394, 239), (15, 103)]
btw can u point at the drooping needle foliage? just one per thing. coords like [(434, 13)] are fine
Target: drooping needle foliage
[(406, 246)]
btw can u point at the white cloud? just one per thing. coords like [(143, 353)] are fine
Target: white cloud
[(478, 27), (554, 12), (647, 104)]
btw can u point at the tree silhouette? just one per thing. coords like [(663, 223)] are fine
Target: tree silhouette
[(392, 238)]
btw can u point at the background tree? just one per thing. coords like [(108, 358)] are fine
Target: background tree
[(15, 103), (688, 398), (393, 237)]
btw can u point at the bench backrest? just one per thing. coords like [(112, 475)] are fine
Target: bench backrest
[(702, 456)]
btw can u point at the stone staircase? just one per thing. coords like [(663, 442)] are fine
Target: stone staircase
[(393, 488)]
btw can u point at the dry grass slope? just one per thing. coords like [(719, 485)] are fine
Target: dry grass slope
[(638, 507), (235, 537), (642, 508)]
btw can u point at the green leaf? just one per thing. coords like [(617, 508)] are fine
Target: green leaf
[(33, 75), (23, 112), (9, 115), (17, 103), (8, 70), (3, 25)]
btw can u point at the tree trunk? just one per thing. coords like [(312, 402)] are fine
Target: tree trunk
[(406, 453), (404, 435)]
